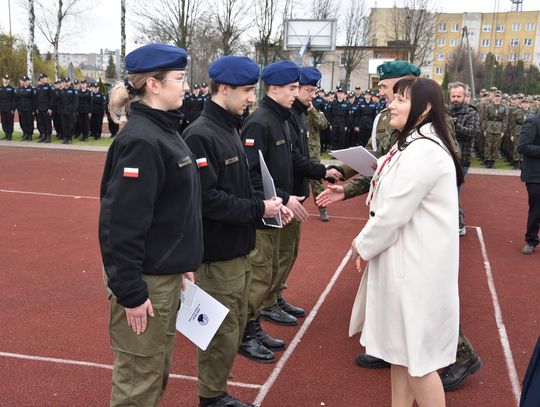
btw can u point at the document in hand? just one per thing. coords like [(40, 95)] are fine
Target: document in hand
[(269, 192), (357, 158), (200, 315)]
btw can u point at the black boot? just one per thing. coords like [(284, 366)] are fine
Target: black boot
[(267, 340), (371, 362), (454, 375), (41, 138), (252, 348), (291, 309), (47, 138), (23, 137), (276, 315), (224, 400), (29, 137)]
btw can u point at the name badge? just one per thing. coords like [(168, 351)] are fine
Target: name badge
[(381, 130), (232, 160), (184, 161), (280, 142)]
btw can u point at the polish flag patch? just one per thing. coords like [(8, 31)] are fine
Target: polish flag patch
[(202, 162), (131, 172), (249, 142)]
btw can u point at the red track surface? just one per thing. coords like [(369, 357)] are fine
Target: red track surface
[(54, 305)]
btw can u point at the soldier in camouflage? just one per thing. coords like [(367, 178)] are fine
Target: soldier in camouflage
[(496, 122)]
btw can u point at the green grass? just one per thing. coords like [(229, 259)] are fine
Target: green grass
[(104, 141)]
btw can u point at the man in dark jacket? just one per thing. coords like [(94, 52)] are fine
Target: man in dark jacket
[(97, 112), (230, 210), (26, 105), (338, 118), (85, 108), (69, 106), (45, 97), (7, 107), (529, 146)]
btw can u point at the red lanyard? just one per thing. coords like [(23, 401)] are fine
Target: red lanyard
[(375, 178)]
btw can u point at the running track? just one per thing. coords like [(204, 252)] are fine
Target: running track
[(54, 346)]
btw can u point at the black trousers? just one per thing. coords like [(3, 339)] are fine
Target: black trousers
[(44, 123), (83, 124), (7, 122), (68, 125), (533, 219), (113, 127), (57, 120), (339, 137), (26, 120), (96, 123)]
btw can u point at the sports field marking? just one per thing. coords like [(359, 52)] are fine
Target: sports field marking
[(263, 392), (110, 367), (510, 365), (316, 215), (9, 191)]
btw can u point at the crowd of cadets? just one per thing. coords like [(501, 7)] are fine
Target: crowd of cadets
[(501, 118), (75, 110)]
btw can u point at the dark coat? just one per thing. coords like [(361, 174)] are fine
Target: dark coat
[(529, 146)]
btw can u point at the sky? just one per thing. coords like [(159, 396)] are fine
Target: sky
[(98, 27)]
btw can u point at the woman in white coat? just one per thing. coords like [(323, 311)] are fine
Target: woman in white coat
[(407, 306)]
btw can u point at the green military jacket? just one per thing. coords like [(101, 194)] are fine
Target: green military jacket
[(496, 118), (316, 122)]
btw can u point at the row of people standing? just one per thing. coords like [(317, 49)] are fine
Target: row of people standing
[(75, 110)]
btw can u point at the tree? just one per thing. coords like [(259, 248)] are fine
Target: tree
[(458, 68), (230, 17), (110, 71), (322, 10), (266, 14), (50, 25), (30, 45), (173, 23), (357, 29), (122, 39)]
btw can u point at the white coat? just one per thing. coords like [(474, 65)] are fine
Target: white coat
[(407, 305)]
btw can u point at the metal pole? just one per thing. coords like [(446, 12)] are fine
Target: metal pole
[(466, 32), (332, 80), (9, 12)]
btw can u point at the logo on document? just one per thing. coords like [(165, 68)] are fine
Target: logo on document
[(203, 319)]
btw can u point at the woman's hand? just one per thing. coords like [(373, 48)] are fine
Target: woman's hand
[(332, 194), (358, 261), (136, 317)]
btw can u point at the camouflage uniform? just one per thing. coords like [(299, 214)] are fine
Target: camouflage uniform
[(482, 107), (516, 118), (316, 122), (496, 122)]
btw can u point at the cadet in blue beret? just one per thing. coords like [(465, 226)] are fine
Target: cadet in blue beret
[(230, 211), (267, 130), (150, 224)]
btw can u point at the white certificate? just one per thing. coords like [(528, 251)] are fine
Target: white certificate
[(200, 315), (269, 192), (358, 158)]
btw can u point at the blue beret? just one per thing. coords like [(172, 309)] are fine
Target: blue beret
[(281, 73), (396, 69), (156, 57), (309, 76), (234, 70)]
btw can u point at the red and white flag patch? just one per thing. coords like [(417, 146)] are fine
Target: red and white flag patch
[(202, 162), (131, 172), (249, 142)]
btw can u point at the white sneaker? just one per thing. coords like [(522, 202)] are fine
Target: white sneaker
[(462, 231)]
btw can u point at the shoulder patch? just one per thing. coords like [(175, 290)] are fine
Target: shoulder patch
[(202, 162)]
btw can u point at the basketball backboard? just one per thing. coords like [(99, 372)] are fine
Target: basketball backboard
[(320, 34)]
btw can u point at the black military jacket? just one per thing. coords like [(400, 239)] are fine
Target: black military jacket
[(303, 168), (45, 97), (150, 218), (338, 114), (230, 206), (267, 129), (26, 99), (98, 102), (7, 98), (85, 101), (68, 101), (194, 107)]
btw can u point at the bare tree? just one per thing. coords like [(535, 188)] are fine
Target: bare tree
[(30, 45), (413, 23), (167, 21), (50, 25), (205, 48), (322, 10), (266, 15), (123, 38), (357, 29), (231, 21)]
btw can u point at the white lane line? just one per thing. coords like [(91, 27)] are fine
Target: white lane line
[(48, 194), (510, 365), (338, 217), (110, 367), (299, 335)]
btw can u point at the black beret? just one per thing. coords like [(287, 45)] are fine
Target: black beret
[(66, 79), (25, 78), (6, 76), (309, 76), (43, 75), (234, 70), (204, 85), (396, 69), (156, 57), (281, 73), (75, 82), (196, 86)]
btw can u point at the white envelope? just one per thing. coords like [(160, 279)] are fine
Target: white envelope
[(200, 315)]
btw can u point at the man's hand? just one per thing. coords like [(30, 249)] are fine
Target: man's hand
[(272, 207), (286, 215), (333, 173), (136, 317), (190, 275), (356, 129), (294, 204), (332, 194)]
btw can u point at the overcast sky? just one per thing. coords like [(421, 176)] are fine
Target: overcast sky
[(99, 26)]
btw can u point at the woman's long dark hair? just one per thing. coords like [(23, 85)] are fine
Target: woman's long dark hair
[(421, 92)]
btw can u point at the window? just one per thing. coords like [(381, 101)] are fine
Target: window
[(526, 57), (342, 60), (441, 42), (516, 27), (482, 57), (453, 42), (497, 57), (486, 28), (514, 42), (511, 57), (500, 28), (455, 28), (440, 56), (499, 43), (438, 71), (530, 27), (528, 42), (485, 43), (442, 27)]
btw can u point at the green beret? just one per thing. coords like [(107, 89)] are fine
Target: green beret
[(396, 69)]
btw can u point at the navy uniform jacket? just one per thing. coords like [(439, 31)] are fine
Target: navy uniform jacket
[(98, 102), (85, 101), (45, 96), (303, 168), (230, 205), (7, 98), (266, 129), (355, 112), (195, 105), (26, 99), (369, 112), (150, 218), (339, 113), (529, 146), (69, 101)]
